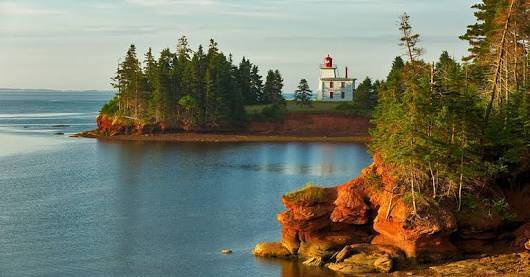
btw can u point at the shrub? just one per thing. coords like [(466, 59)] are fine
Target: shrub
[(373, 181), (503, 209), (111, 107), (273, 113), (345, 107)]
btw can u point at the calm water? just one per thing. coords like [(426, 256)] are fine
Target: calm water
[(79, 207)]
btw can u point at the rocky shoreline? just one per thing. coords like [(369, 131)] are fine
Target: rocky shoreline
[(230, 137), (364, 227), (294, 128)]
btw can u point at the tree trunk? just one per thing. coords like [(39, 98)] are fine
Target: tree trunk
[(415, 210), (389, 209), (498, 66), (433, 182), (461, 181)]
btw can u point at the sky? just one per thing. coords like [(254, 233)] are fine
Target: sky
[(71, 44)]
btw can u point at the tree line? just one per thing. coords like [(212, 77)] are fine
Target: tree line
[(447, 129), (190, 89)]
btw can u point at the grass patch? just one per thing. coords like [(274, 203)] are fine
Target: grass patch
[(309, 193), (373, 181), (315, 107)]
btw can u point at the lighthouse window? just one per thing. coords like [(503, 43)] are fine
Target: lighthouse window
[(331, 95), (342, 85), (331, 84), (342, 94)]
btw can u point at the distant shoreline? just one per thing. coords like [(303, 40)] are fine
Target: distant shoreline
[(218, 137)]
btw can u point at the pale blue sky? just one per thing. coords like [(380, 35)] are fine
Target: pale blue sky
[(62, 44)]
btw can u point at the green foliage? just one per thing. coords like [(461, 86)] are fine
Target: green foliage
[(469, 201), (435, 126), (503, 209), (352, 109), (272, 90), (365, 96), (110, 108), (303, 94), (191, 89), (274, 112), (308, 194), (374, 182)]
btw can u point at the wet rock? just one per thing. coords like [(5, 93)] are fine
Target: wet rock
[(366, 258), (271, 249), (517, 264), (384, 264), (341, 255), (351, 268), (314, 261), (226, 251)]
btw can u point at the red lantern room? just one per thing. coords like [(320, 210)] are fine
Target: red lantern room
[(328, 61)]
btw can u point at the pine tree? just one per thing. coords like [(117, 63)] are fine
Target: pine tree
[(363, 95), (131, 73), (272, 91), (166, 85), (256, 85), (244, 72), (409, 40), (303, 94)]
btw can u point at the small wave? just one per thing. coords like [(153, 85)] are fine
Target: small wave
[(41, 115)]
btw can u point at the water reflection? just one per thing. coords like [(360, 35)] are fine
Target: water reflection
[(293, 268), (157, 209)]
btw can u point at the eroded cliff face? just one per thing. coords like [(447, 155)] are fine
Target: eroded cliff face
[(362, 220), (307, 124), (112, 125), (314, 124)]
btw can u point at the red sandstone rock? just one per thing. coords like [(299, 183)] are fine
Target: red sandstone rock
[(314, 124), (358, 212), (351, 207)]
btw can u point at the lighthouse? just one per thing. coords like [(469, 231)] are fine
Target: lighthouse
[(331, 86)]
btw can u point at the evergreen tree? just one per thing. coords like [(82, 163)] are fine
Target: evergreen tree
[(256, 85), (244, 73), (409, 40), (303, 94), (188, 90), (363, 97), (130, 75), (166, 86), (272, 91)]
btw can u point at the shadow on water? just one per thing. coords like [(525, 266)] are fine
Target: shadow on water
[(293, 268)]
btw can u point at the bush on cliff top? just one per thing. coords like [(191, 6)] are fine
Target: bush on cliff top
[(309, 193), (110, 108)]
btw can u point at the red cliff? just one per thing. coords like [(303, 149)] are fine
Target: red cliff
[(363, 217)]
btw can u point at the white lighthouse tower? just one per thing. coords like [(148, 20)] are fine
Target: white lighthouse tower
[(332, 87)]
